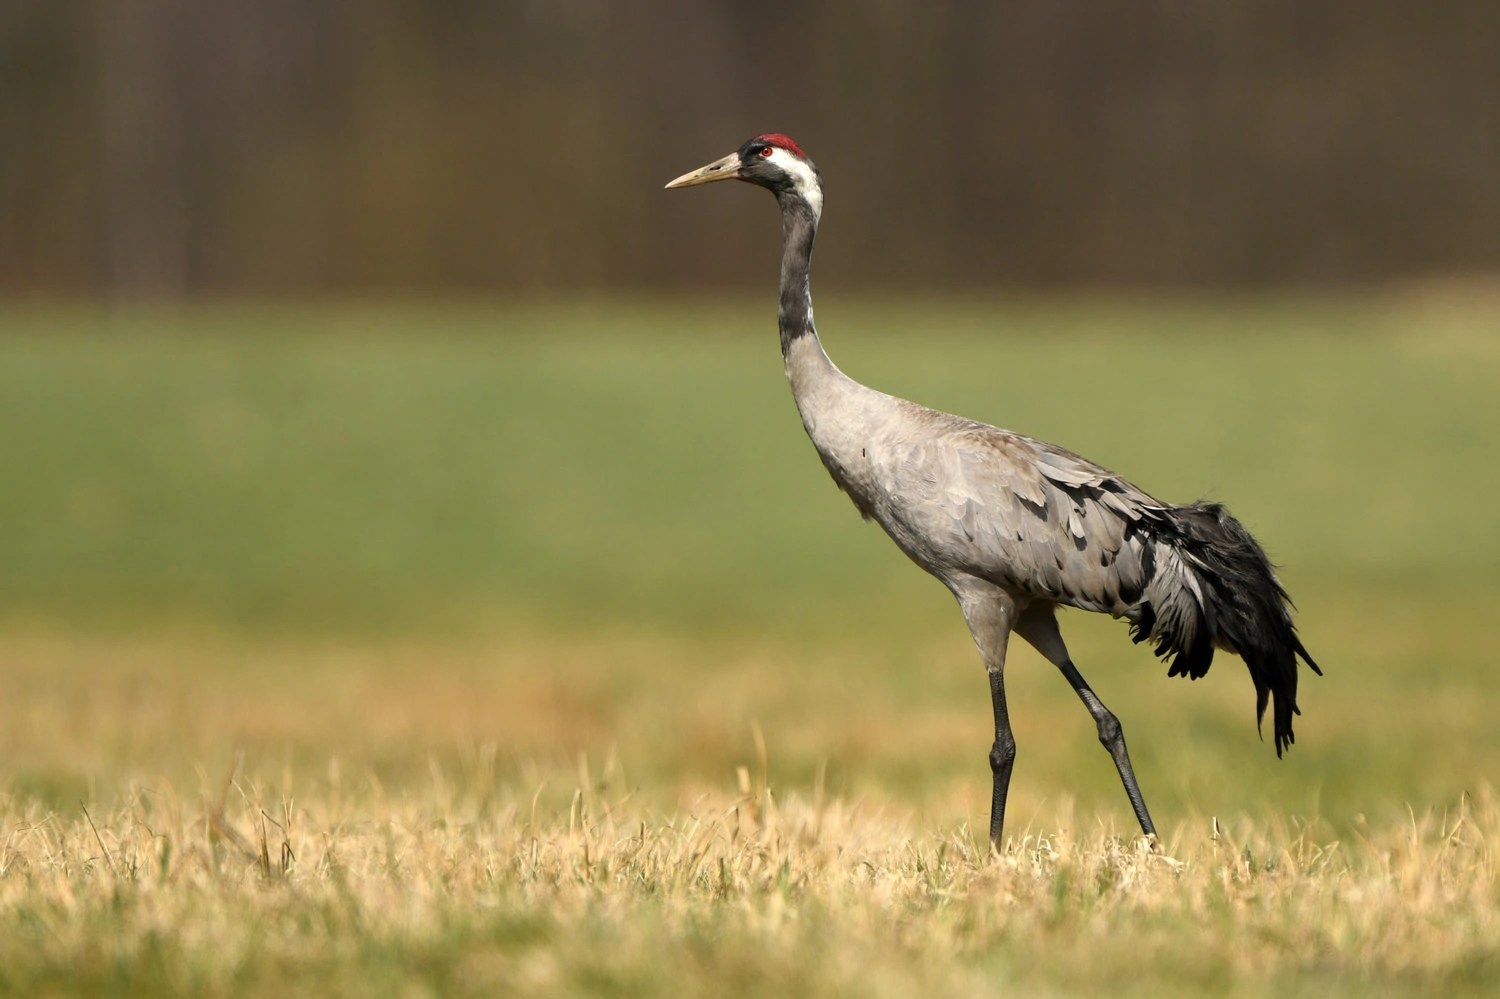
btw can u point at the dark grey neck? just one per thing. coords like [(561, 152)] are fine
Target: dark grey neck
[(798, 227)]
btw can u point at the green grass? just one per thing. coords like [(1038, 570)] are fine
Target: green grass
[(372, 549), (332, 470)]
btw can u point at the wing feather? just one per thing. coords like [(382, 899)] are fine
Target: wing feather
[(1040, 519)]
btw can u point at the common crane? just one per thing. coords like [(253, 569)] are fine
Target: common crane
[(1016, 527)]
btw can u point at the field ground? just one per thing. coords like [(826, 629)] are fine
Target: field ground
[(528, 650)]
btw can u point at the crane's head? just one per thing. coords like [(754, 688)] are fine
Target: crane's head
[(771, 160)]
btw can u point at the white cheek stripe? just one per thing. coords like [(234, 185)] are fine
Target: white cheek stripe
[(802, 176)]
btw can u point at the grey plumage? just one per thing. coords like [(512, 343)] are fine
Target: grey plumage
[(964, 499), (1016, 527)]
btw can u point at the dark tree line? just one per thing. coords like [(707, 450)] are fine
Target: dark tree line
[(245, 147)]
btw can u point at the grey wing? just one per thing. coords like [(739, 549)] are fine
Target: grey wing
[(1044, 521)]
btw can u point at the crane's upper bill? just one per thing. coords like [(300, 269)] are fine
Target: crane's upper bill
[(727, 168)]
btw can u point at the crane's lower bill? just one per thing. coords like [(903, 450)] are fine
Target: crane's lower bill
[(726, 169)]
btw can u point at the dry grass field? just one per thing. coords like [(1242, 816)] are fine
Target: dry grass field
[(529, 652), (448, 887)]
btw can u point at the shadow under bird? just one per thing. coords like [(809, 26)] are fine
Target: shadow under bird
[(1017, 527)]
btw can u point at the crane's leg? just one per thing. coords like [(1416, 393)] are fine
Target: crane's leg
[(1038, 625), (990, 612)]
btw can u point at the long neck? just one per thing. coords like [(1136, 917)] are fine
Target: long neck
[(820, 389), (836, 411), (799, 225)]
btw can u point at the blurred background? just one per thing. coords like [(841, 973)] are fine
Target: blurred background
[(363, 397), (272, 147)]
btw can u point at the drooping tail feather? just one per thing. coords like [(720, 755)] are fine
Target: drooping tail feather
[(1214, 586)]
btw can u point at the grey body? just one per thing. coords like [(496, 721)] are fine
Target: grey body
[(1016, 527), (972, 503)]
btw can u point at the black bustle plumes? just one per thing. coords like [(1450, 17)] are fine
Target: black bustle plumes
[(1244, 609)]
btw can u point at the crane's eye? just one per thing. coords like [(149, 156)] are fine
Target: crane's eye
[(766, 151)]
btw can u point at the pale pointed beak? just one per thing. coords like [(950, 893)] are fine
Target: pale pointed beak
[(726, 169)]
